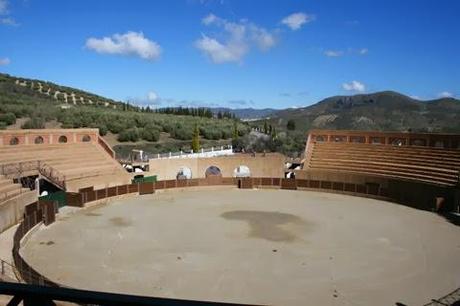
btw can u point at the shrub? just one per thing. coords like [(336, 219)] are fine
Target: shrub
[(8, 118), (34, 123), (211, 133), (290, 125), (182, 133), (102, 129), (150, 134), (129, 135)]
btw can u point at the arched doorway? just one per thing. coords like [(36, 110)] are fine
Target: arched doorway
[(184, 173), (213, 171), (242, 171)]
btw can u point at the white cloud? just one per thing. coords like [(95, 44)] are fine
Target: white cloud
[(4, 7), (211, 18), (446, 94), (5, 12), (152, 96), (235, 40), (130, 43), (333, 53), (349, 51), (4, 61), (297, 20), (8, 21), (354, 86), (220, 53), (262, 37)]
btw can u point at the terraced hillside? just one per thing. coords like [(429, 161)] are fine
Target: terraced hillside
[(62, 94), (36, 104)]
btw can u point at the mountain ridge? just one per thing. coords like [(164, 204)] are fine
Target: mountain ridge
[(384, 110)]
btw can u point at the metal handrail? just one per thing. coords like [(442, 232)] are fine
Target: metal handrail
[(16, 170), (449, 299), (52, 174), (5, 266), (182, 153)]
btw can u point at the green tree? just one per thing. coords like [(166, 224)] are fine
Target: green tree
[(196, 139), (235, 131), (290, 125), (265, 127), (274, 134), (8, 118)]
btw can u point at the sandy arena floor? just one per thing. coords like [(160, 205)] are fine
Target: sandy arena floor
[(254, 246)]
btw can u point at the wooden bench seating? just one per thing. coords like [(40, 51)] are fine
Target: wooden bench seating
[(75, 161), (388, 171), (439, 163), (393, 149), (426, 164), (8, 189)]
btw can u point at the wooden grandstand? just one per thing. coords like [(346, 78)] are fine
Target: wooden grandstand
[(391, 156)]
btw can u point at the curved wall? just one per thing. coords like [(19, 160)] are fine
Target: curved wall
[(36, 214), (12, 210)]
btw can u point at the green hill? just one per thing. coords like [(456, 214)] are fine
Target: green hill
[(40, 104), (386, 111), (31, 103)]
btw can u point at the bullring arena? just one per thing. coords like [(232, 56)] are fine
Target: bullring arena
[(365, 218)]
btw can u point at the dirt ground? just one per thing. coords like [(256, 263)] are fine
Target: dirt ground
[(254, 246)]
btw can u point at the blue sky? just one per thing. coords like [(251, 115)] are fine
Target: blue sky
[(235, 53)]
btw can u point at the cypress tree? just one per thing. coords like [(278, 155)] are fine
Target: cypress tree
[(196, 139), (235, 131)]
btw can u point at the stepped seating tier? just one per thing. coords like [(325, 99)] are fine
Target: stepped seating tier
[(426, 164), (80, 164), (9, 189)]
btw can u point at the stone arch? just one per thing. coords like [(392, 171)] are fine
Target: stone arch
[(242, 171), (184, 173), (357, 139), (213, 171), (86, 138), (14, 141), (439, 144), (398, 142), (320, 138), (339, 138), (418, 142), (39, 140), (62, 139)]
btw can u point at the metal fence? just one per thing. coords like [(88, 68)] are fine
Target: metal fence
[(204, 152), (21, 169), (450, 299)]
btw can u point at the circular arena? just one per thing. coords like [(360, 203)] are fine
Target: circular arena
[(364, 218), (276, 247)]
